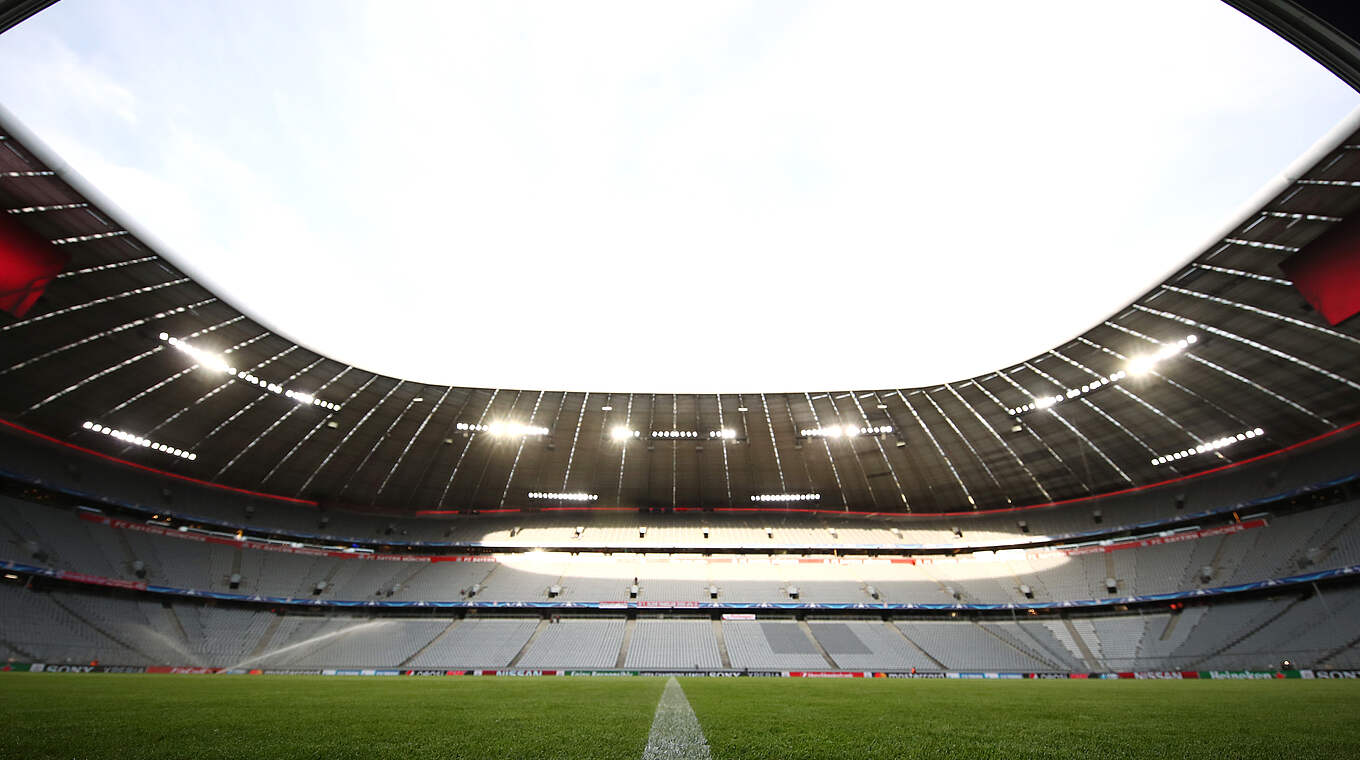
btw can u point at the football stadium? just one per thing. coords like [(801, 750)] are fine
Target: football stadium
[(220, 539)]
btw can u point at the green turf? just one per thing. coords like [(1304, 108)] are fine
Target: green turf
[(1222, 720), (148, 716), (50, 715)]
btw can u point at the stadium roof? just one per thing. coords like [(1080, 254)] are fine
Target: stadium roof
[(833, 200), (1240, 353)]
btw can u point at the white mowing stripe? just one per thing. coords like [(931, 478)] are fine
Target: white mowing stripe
[(676, 734)]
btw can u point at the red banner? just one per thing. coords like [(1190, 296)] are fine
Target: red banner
[(28, 264)]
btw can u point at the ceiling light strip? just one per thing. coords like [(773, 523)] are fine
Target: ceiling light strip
[(826, 445), (774, 447), (321, 423), (997, 436), (95, 302), (40, 209), (1263, 312), (901, 494), (1037, 438), (575, 436), (533, 413), (88, 238), (444, 494), (623, 451), (90, 379), (411, 442), (348, 434), (1260, 244), (103, 267), (1302, 217), (386, 435), (1242, 273), (1209, 447), (967, 444), (938, 449), (675, 450), (727, 475), (1328, 182), (137, 440)]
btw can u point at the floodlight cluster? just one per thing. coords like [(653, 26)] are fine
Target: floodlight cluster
[(216, 363), (574, 496), (502, 429), (137, 440), (848, 431), (1137, 366), (764, 497), (1214, 445), (622, 433)]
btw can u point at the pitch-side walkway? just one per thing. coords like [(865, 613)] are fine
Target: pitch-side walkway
[(676, 734)]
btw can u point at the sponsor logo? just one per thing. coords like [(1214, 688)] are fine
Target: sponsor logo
[(826, 674), (1158, 674), (425, 672), (1336, 673), (909, 675), (1245, 674), (42, 668)]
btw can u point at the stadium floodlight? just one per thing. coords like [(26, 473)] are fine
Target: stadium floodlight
[(849, 431), (212, 361), (1209, 446), (502, 429), (514, 429), (1142, 365), (775, 497), (137, 440), (1137, 366), (725, 433), (558, 496), (622, 433)]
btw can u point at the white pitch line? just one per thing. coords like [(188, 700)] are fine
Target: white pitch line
[(676, 734)]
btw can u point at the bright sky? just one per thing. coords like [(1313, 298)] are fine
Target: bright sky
[(672, 197)]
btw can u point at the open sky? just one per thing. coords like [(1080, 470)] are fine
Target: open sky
[(672, 197)]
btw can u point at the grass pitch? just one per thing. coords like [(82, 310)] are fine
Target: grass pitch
[(150, 716)]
